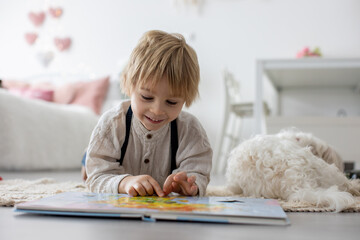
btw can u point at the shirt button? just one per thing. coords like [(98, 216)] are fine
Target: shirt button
[(149, 136), (146, 161)]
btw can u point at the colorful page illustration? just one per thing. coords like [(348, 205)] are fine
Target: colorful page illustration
[(173, 207)]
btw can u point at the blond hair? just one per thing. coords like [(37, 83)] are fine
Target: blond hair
[(160, 54)]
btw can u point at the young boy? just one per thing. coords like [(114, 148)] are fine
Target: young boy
[(148, 145)]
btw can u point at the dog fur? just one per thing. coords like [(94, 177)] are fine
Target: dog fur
[(291, 166)]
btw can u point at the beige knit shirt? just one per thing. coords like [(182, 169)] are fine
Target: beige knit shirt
[(148, 152)]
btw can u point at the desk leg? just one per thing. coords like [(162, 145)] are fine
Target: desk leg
[(259, 124)]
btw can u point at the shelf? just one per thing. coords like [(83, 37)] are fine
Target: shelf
[(313, 72), (303, 73), (319, 121)]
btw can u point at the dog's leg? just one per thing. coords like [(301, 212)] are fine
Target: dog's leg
[(326, 186), (331, 198)]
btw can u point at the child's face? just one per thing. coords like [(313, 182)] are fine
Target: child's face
[(155, 107)]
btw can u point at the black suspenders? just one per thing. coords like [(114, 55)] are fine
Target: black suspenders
[(174, 140), (128, 125)]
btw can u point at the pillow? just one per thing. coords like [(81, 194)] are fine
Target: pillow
[(8, 84), (89, 94), (24, 89), (46, 95)]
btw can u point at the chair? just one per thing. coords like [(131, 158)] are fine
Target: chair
[(235, 112)]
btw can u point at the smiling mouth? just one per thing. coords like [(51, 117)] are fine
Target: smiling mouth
[(154, 120)]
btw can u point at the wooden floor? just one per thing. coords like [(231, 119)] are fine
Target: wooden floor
[(28, 226)]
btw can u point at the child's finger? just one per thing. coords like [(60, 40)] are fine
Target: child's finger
[(139, 189), (148, 187), (184, 181), (167, 187), (180, 176), (132, 192), (155, 186), (191, 179), (189, 190), (185, 187), (176, 187), (193, 190)]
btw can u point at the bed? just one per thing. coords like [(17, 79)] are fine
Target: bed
[(38, 134)]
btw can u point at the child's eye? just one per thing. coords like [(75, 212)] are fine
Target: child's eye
[(171, 102), (146, 98)]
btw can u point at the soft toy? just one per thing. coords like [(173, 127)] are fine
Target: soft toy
[(305, 52)]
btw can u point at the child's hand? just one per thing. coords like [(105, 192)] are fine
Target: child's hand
[(142, 185), (181, 183)]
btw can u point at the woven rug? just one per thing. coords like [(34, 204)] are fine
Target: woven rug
[(20, 190)]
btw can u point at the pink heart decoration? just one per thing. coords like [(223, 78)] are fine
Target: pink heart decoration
[(62, 44), (37, 18), (30, 38), (56, 12)]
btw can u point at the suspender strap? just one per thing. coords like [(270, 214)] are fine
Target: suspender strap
[(174, 140), (128, 125), (174, 144)]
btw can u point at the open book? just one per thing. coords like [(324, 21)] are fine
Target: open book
[(178, 208)]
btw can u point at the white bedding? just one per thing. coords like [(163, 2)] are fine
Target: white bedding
[(39, 135)]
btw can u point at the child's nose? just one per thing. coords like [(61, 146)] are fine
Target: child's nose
[(157, 109)]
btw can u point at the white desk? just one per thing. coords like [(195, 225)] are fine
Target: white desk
[(288, 73)]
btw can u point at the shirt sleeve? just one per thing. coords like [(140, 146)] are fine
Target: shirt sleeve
[(194, 155), (103, 170)]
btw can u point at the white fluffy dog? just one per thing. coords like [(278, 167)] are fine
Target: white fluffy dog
[(292, 166)]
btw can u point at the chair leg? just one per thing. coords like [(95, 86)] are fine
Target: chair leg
[(226, 144), (219, 157), (231, 139)]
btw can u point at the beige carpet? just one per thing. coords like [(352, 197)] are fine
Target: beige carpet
[(19, 190)]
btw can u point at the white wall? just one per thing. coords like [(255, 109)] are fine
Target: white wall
[(225, 33)]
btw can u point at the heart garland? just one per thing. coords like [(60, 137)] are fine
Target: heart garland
[(56, 12), (31, 38), (45, 57), (37, 18), (62, 44)]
